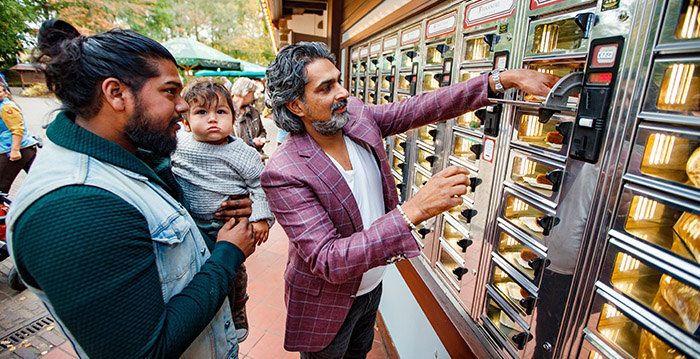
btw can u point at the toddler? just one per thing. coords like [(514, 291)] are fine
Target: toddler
[(210, 165)]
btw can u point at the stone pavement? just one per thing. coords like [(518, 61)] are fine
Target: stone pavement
[(26, 329)]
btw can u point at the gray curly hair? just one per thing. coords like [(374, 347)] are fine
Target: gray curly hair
[(286, 78)]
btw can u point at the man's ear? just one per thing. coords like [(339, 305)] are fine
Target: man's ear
[(296, 107), (115, 93)]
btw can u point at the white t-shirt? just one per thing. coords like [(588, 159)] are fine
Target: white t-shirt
[(365, 182)]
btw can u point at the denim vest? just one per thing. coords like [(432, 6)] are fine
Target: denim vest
[(179, 248), (6, 135)]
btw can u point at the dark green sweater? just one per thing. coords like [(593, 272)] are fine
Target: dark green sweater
[(91, 253)]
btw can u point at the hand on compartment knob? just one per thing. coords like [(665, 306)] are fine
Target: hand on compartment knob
[(529, 81), (459, 272), (464, 243), (439, 194)]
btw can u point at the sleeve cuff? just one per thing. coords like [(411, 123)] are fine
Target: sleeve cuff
[(228, 255)]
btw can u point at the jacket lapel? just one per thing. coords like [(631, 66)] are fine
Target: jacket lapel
[(321, 165)]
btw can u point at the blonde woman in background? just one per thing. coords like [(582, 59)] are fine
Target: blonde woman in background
[(248, 125)]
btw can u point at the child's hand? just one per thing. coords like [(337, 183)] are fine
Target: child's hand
[(260, 231)]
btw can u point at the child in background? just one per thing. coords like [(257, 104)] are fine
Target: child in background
[(210, 164)]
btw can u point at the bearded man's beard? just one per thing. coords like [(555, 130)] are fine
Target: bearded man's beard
[(337, 121), (141, 131)]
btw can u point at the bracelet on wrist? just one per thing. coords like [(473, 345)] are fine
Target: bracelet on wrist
[(405, 218)]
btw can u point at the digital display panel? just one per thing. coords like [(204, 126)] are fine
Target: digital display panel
[(599, 78)]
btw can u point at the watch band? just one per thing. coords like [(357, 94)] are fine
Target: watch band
[(496, 77)]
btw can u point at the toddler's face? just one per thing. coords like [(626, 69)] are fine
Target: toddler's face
[(212, 124)]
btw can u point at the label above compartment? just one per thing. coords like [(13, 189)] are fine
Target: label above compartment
[(441, 25), (481, 12)]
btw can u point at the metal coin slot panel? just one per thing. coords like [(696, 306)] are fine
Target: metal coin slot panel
[(560, 35), (661, 220), (674, 87), (670, 154), (507, 323), (627, 328), (634, 274), (553, 136), (536, 221), (682, 24), (536, 174)]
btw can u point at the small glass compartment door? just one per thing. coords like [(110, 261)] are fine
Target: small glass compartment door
[(435, 53), (552, 136), (517, 254), (669, 153), (425, 158), (405, 81), (682, 22), (557, 35), (507, 326), (659, 219), (430, 80), (517, 296), (466, 148), (528, 218), (426, 134), (674, 87), (475, 49), (660, 292), (535, 174)]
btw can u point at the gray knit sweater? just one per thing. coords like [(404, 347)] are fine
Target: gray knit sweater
[(208, 174)]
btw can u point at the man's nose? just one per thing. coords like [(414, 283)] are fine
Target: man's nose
[(343, 93), (181, 105)]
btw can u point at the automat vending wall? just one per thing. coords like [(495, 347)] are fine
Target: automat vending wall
[(582, 209)]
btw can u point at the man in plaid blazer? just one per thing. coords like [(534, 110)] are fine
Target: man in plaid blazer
[(333, 192)]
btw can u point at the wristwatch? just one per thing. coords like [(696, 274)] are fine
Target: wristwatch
[(496, 77)]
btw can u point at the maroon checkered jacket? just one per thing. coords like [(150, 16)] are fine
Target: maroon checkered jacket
[(329, 248)]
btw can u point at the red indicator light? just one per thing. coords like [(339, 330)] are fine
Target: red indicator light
[(600, 78)]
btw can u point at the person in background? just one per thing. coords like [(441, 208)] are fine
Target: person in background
[(248, 125), (17, 147), (330, 187), (98, 230), (210, 165)]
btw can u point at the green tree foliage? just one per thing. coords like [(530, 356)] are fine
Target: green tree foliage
[(235, 27), (13, 26)]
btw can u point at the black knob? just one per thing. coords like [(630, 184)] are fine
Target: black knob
[(547, 223), (374, 61), (585, 21), (401, 166), (432, 159), (411, 54), (423, 232), (374, 78), (402, 145), (565, 129), (464, 243), (521, 339), (433, 133), (555, 176), (400, 186), (468, 214), (476, 149), (390, 58), (492, 40), (474, 182), (460, 271), (538, 264), (480, 114), (528, 303), (544, 114), (442, 48), (387, 98)]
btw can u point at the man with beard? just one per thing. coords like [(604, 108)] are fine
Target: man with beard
[(331, 188), (98, 230)]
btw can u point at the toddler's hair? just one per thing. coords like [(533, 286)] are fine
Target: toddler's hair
[(206, 93)]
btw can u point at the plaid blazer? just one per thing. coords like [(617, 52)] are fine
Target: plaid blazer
[(329, 248)]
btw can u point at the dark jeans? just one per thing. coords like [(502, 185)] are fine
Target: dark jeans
[(356, 335), (10, 169)]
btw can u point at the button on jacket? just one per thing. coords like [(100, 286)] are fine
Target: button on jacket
[(329, 248)]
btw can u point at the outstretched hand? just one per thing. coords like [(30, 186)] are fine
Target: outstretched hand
[(529, 81)]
